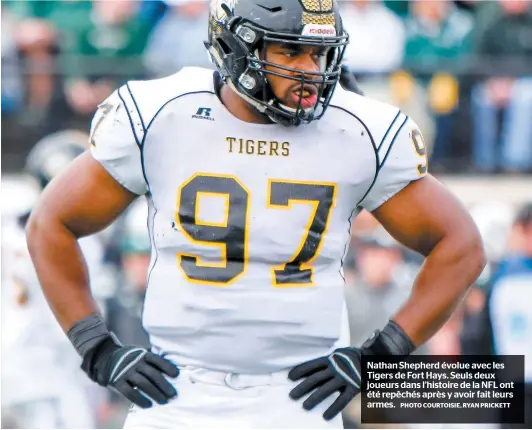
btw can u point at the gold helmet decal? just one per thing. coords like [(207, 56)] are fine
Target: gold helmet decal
[(318, 5), (218, 17), (217, 12), (321, 19), (318, 13)]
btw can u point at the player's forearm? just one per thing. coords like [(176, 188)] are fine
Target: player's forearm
[(61, 269), (449, 270)]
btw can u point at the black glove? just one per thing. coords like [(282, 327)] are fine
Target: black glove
[(341, 371), (134, 372)]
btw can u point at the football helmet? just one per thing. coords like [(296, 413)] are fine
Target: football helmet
[(239, 32), (53, 153)]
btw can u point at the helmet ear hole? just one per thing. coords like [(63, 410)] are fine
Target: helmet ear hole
[(225, 48)]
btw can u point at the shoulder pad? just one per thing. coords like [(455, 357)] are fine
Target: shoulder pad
[(143, 99), (375, 115)]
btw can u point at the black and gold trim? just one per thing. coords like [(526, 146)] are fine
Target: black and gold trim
[(318, 5), (421, 150), (282, 194), (320, 19), (230, 236)]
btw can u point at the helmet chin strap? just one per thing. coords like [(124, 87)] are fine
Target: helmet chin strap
[(294, 110), (229, 82), (263, 109)]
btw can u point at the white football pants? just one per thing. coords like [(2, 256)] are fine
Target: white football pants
[(212, 399)]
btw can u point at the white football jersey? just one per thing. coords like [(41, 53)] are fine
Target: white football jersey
[(249, 223)]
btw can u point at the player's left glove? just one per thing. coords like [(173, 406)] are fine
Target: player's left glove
[(341, 371)]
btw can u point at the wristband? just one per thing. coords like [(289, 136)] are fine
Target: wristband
[(391, 340), (87, 333)]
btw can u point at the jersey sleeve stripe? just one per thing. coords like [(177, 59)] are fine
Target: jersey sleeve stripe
[(390, 135), (390, 146), (152, 212), (389, 128), (133, 115), (357, 207), (136, 107)]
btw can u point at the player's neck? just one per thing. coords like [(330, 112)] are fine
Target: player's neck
[(239, 108)]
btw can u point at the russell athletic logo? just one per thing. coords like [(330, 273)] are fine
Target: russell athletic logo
[(203, 113)]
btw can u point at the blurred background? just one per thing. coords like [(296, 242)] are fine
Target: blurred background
[(461, 69)]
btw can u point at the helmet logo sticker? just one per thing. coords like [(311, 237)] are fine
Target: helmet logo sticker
[(321, 30)]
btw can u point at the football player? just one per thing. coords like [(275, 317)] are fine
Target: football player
[(253, 175), (42, 385), (45, 389)]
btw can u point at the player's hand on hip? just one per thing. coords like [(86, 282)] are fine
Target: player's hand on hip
[(338, 372), (341, 371), (135, 372)]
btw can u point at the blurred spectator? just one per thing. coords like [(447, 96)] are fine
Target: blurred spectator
[(438, 36), (106, 52), (377, 37), (485, 13), (494, 221), (177, 41), (35, 37), (124, 310), (378, 282), (151, 11), (42, 384), (399, 7), (377, 288), (11, 75), (510, 299), (502, 105), (446, 341), (475, 334), (437, 33), (43, 28)]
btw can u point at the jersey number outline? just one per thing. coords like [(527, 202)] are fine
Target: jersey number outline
[(231, 235), (419, 145), (298, 271)]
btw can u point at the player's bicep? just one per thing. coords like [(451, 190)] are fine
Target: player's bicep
[(85, 198), (422, 213)]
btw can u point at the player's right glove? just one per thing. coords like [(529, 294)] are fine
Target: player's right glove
[(134, 372)]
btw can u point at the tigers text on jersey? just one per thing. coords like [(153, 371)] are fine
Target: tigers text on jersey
[(249, 223)]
